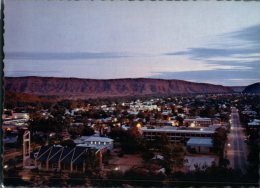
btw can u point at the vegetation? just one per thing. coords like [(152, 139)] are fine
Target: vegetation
[(219, 140)]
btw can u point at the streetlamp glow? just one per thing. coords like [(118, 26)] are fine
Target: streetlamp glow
[(138, 125), (229, 145)]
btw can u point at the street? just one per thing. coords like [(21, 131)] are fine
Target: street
[(236, 148)]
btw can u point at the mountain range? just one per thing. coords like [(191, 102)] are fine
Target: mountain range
[(92, 88), (254, 88)]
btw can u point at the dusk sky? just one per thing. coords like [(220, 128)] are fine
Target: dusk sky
[(212, 42)]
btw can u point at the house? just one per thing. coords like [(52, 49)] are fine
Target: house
[(254, 123), (95, 142)]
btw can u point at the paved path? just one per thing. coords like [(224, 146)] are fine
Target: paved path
[(236, 148)]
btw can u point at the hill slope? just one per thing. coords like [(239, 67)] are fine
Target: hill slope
[(238, 89), (254, 88), (90, 88)]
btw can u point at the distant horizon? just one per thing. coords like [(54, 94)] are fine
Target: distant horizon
[(203, 42), (126, 79)]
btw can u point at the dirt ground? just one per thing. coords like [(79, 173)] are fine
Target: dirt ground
[(124, 163)]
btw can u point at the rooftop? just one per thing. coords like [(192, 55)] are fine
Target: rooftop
[(200, 142), (92, 139), (175, 129)]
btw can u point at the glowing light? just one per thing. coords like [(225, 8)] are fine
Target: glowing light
[(138, 125), (193, 124)]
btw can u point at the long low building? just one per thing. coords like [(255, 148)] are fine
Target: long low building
[(174, 134), (201, 122)]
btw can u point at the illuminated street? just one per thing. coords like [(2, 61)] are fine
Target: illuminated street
[(236, 147)]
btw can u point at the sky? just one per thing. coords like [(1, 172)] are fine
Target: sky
[(211, 42)]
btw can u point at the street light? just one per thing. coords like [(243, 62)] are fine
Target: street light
[(138, 125)]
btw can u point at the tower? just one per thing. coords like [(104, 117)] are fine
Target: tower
[(26, 148)]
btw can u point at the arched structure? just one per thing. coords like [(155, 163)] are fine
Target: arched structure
[(26, 148)]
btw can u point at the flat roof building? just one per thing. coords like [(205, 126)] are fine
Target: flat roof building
[(175, 134), (200, 145)]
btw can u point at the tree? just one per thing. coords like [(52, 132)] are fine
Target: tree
[(69, 143), (173, 155), (56, 181), (12, 178), (132, 142), (115, 178), (76, 179), (87, 131), (143, 177), (91, 159), (178, 154), (147, 155), (180, 120), (159, 142), (51, 124), (219, 140)]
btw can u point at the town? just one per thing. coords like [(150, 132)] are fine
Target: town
[(145, 141)]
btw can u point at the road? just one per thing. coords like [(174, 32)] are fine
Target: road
[(12, 153), (236, 148)]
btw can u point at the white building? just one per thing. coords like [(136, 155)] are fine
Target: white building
[(143, 107), (254, 123), (95, 142), (201, 122)]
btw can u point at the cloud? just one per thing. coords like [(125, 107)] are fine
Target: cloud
[(250, 34), (64, 56), (238, 50), (218, 76), (245, 42), (30, 73), (202, 53)]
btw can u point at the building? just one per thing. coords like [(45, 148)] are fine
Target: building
[(72, 159), (10, 115), (249, 112), (200, 145), (254, 124), (201, 122), (95, 142), (175, 134), (138, 106)]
